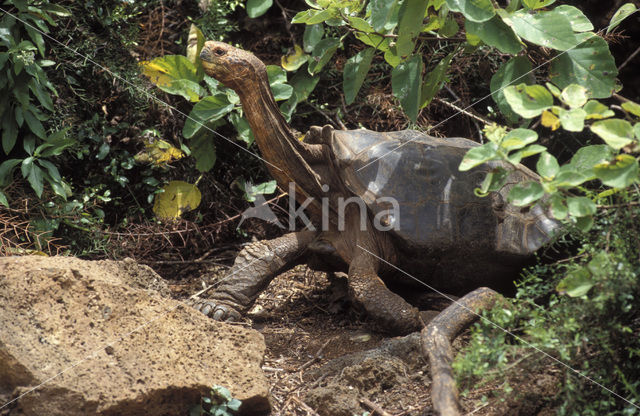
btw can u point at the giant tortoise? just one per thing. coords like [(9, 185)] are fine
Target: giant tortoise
[(382, 207)]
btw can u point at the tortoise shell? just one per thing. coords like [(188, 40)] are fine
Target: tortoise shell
[(435, 204)]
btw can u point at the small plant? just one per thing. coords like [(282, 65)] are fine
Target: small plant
[(25, 99), (221, 403)]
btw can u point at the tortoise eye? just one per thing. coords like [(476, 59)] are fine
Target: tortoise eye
[(219, 51)]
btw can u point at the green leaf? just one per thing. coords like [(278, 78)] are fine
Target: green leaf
[(577, 283), (494, 181), (204, 150), (294, 60), (547, 165), (382, 12), (578, 21), (575, 95), (631, 107), (581, 206), (242, 127), (322, 53), (9, 132), (569, 178), (256, 8), (208, 109), (3, 200), (410, 25), (622, 13), (405, 82), (530, 150), (495, 33), (525, 193), (636, 130), (537, 4), (43, 97), (584, 224), (586, 158), (434, 80), (6, 171), (515, 70), (621, 173), (34, 124), (355, 71), (589, 64), (597, 110), (360, 24), (518, 138), (559, 208), (474, 10), (33, 174), (528, 100), (312, 35), (479, 155), (174, 74), (178, 197), (615, 132), (548, 29), (277, 80), (572, 120)]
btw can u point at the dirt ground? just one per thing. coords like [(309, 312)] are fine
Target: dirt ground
[(324, 359)]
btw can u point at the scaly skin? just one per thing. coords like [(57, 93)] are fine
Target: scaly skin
[(256, 265)]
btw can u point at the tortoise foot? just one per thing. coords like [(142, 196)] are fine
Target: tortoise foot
[(216, 310)]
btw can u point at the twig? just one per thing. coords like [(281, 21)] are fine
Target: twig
[(317, 356), (304, 406), (463, 111), (374, 408), (633, 55)]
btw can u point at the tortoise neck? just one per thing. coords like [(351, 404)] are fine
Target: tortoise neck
[(283, 152)]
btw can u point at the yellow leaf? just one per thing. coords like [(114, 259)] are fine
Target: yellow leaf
[(549, 120), (178, 197), (195, 41), (295, 60), (158, 152)]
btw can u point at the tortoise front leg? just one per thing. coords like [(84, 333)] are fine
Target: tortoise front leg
[(366, 289), (256, 265), (436, 346)]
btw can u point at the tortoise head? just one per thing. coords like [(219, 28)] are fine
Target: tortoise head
[(233, 67)]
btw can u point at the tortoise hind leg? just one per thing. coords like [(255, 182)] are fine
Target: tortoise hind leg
[(436, 346), (256, 265), (367, 290)]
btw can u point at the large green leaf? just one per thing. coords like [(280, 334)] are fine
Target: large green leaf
[(434, 80), (312, 35), (479, 155), (406, 79), (382, 12), (256, 8), (515, 71), (277, 81), (34, 124), (547, 165), (525, 193), (577, 283), (548, 29), (409, 26), (589, 64), (586, 158), (203, 149), (615, 132), (528, 100), (517, 139), (619, 174), (322, 53), (175, 74), (572, 120), (578, 21), (495, 33), (474, 10), (355, 71), (581, 206), (208, 109)]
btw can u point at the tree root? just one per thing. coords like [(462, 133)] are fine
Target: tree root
[(436, 339)]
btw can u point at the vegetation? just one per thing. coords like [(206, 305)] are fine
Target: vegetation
[(95, 153)]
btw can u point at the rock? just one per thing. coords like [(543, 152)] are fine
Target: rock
[(347, 379), (96, 337)]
